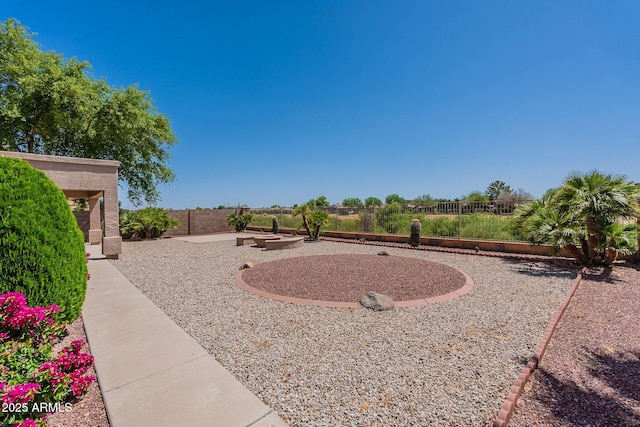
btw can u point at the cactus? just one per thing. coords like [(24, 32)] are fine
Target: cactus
[(274, 225), (416, 227)]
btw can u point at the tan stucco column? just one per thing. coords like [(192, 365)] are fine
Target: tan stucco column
[(111, 242), (95, 228)]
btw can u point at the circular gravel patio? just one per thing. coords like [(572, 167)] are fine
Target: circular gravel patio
[(340, 280)]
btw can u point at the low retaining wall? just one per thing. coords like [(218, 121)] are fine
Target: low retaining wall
[(482, 245)]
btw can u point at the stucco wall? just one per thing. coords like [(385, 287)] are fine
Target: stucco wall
[(200, 221)]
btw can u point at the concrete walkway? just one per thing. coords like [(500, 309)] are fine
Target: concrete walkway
[(152, 373)]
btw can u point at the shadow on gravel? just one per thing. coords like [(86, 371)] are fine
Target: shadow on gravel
[(608, 275), (538, 269), (576, 405)]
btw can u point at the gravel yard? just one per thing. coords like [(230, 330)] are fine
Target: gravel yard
[(590, 374), (450, 363)]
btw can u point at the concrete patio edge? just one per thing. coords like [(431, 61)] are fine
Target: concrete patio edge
[(151, 372)]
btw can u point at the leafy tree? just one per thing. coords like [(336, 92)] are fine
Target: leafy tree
[(52, 105), (517, 196), (476, 196), (496, 188), (394, 198), (320, 201), (425, 198), (372, 201), (592, 216), (352, 201)]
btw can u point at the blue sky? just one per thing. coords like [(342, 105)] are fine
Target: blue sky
[(279, 102)]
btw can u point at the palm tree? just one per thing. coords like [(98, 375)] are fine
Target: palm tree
[(304, 211), (592, 216), (543, 223), (312, 218), (600, 200)]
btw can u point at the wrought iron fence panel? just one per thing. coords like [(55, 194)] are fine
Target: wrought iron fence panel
[(462, 220)]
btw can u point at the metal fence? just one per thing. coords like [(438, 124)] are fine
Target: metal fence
[(461, 220)]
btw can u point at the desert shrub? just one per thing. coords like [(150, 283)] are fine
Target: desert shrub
[(147, 223), (350, 225), (43, 254), (239, 221), (491, 227), (440, 227), (390, 219), (366, 222)]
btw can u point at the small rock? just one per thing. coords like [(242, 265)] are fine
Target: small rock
[(376, 301), (383, 253), (246, 265)]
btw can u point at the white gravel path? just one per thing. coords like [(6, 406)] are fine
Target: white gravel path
[(446, 364)]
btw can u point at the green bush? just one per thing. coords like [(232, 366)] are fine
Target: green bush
[(43, 254), (147, 223), (489, 227), (390, 219), (352, 225), (239, 221)]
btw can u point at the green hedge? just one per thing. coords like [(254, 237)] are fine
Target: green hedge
[(42, 247)]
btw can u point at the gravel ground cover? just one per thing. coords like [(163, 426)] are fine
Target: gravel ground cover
[(590, 373), (450, 363)]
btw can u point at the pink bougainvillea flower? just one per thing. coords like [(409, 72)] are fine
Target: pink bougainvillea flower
[(21, 393), (26, 423)]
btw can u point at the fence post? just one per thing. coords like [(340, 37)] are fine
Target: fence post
[(459, 220), (374, 219)]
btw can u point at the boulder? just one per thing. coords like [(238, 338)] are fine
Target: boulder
[(246, 265), (383, 253), (376, 301)]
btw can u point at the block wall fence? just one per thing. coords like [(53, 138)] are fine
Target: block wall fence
[(192, 221), (210, 221), (200, 221)]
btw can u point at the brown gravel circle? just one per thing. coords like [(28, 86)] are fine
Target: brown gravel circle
[(346, 277)]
